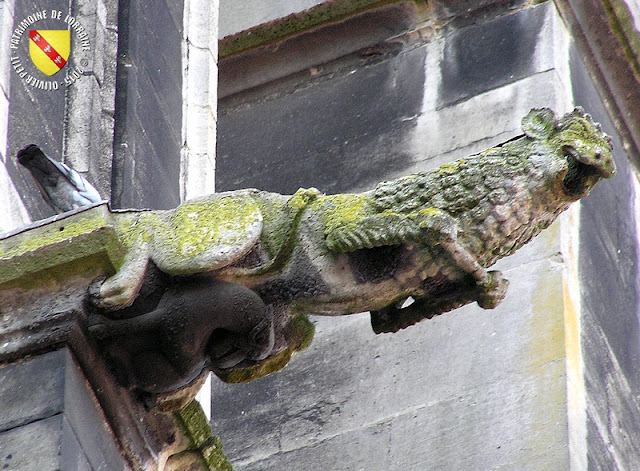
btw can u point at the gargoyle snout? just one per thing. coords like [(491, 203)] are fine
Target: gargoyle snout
[(587, 165), (605, 164), (597, 157)]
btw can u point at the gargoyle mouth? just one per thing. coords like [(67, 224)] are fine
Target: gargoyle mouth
[(580, 177)]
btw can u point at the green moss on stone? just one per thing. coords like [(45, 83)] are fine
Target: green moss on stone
[(198, 226), (195, 426), (278, 234), (275, 227), (57, 244), (49, 235), (299, 334)]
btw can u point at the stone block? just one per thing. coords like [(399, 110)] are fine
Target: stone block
[(154, 175), (164, 68), (493, 53), (31, 390), (158, 104), (176, 10), (199, 23), (509, 424), (32, 446), (489, 118), (358, 449), (197, 124), (462, 9), (198, 76), (199, 175), (72, 455), (311, 48), (107, 89), (357, 133), (111, 19), (84, 95), (87, 422)]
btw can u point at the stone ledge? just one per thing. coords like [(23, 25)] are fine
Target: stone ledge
[(313, 46), (296, 23)]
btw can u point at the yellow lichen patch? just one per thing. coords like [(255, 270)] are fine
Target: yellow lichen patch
[(198, 227), (342, 211), (200, 235), (55, 244), (427, 212), (49, 235), (301, 198), (135, 230), (451, 168), (276, 223)]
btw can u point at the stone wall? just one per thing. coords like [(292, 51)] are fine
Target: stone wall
[(51, 419), (148, 136)]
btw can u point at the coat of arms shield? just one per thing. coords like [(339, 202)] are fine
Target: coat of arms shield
[(49, 49)]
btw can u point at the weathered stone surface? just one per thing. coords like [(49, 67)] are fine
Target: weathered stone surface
[(87, 422), (362, 35), (276, 144), (33, 446), (50, 418), (149, 109), (610, 287), (32, 390), (492, 54), (72, 456), (239, 16), (463, 10)]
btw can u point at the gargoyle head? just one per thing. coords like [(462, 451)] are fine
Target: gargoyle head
[(581, 141)]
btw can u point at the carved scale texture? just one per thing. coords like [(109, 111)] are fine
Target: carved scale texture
[(500, 199)]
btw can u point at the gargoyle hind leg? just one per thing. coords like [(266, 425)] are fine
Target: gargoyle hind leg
[(439, 228)]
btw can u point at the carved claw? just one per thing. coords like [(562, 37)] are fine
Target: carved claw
[(494, 289), (121, 289), (111, 294), (114, 294)]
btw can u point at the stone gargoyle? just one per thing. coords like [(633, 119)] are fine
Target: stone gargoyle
[(241, 270)]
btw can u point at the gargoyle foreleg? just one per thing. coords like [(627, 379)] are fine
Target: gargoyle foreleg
[(493, 285), (438, 228), (120, 289), (103, 327)]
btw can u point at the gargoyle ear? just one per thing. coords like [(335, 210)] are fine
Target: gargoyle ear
[(539, 123)]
